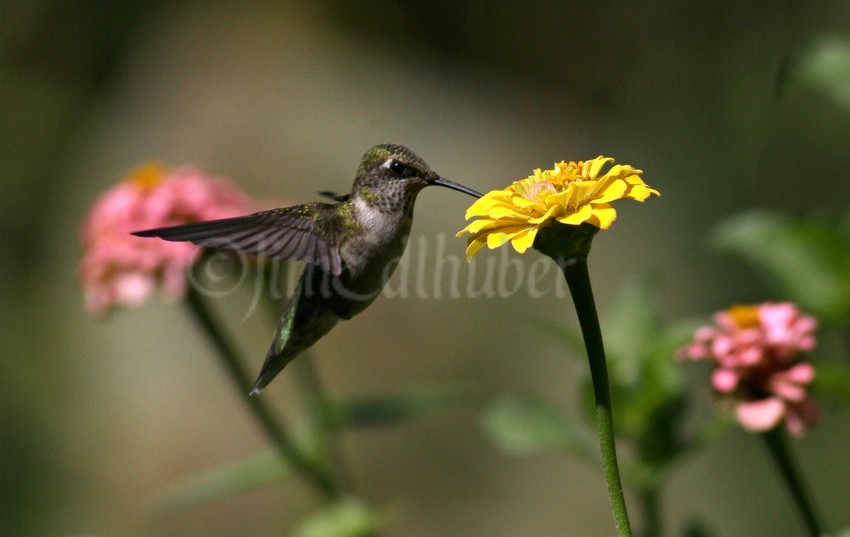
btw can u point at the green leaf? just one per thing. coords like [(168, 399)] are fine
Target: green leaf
[(522, 425), (645, 378), (823, 66), (246, 474), (694, 529), (809, 262), (632, 329), (833, 382), (655, 403), (385, 410), (347, 518), (709, 432), (842, 533), (563, 334)]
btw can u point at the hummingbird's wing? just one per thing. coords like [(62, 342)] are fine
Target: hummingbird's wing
[(301, 233), (335, 196)]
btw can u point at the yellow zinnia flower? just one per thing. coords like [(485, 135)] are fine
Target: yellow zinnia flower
[(572, 193)]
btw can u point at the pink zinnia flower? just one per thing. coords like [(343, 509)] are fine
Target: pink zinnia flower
[(119, 269), (757, 353)]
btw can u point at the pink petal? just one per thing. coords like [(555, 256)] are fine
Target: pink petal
[(750, 336), (777, 315), (694, 351), (801, 373), (724, 380), (787, 390), (133, 288), (805, 324), (751, 356), (705, 333), (722, 346), (806, 343), (724, 320), (802, 416), (760, 415)]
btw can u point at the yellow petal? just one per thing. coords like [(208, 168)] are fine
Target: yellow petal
[(641, 192), (580, 193), (626, 173), (486, 202), (617, 171), (523, 241), (473, 246), (561, 198), (551, 213), (498, 238), (485, 225), (603, 215), (497, 213), (527, 205), (475, 226), (577, 217), (593, 167), (610, 192)]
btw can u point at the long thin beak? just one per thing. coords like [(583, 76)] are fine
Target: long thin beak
[(442, 181)]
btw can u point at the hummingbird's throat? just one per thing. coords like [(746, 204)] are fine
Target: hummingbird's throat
[(390, 200)]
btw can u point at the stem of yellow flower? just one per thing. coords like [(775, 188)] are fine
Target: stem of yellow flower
[(578, 280), (316, 475), (775, 442)]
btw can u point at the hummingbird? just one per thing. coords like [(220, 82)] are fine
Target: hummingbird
[(350, 248)]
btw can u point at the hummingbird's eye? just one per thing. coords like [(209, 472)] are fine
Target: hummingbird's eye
[(398, 168)]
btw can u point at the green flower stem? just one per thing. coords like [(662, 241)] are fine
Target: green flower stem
[(775, 442), (578, 280), (316, 475)]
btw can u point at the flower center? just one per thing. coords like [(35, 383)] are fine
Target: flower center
[(535, 190), (744, 316), (537, 187), (148, 175)]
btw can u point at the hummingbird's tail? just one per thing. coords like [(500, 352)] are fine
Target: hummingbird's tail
[(273, 365), (267, 374), (304, 322)]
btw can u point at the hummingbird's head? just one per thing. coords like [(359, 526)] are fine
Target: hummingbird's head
[(390, 176)]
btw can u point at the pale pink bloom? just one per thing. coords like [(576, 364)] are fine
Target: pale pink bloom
[(757, 353), (119, 269)]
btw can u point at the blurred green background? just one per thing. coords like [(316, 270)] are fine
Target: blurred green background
[(99, 416)]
